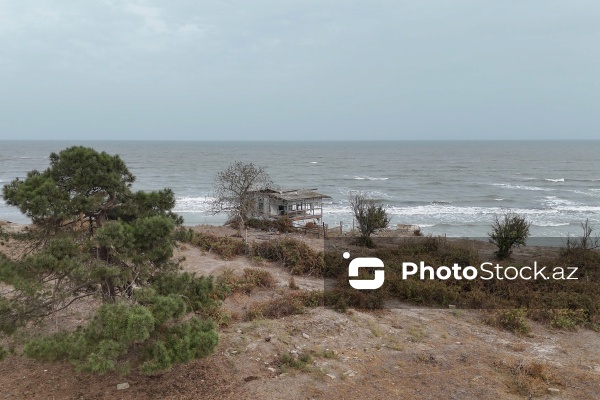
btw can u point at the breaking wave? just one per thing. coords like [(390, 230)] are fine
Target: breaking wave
[(369, 178)]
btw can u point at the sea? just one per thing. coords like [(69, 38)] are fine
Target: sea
[(452, 188)]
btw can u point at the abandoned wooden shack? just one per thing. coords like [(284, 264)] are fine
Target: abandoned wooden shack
[(299, 205)]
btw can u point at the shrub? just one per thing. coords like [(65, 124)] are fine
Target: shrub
[(225, 247), (252, 278), (294, 254), (369, 215), (514, 321), (584, 242), (281, 224), (290, 304), (507, 232), (184, 235), (296, 361)]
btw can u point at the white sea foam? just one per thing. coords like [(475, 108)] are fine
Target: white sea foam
[(520, 187), (553, 201), (555, 180), (314, 162), (369, 178), (584, 193), (549, 224)]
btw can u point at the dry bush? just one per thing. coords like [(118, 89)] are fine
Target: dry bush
[(252, 278), (294, 254), (528, 378), (289, 304), (281, 224), (226, 247), (514, 321)]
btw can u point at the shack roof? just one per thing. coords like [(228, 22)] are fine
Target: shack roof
[(294, 194)]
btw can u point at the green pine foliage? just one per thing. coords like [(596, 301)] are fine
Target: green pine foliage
[(150, 335), (93, 237)]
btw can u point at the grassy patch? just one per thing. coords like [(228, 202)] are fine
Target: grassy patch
[(294, 361)]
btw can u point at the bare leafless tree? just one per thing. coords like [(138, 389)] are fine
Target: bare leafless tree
[(586, 241), (233, 190)]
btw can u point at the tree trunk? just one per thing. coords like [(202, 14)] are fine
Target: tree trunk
[(241, 227), (109, 293)]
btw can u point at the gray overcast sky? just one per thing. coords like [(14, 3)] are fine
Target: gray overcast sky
[(299, 69)]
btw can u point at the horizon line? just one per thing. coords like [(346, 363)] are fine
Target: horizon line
[(299, 141)]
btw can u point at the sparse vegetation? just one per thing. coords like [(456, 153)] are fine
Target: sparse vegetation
[(507, 232), (583, 243), (528, 377)]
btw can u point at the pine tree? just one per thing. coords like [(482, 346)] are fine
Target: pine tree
[(93, 237)]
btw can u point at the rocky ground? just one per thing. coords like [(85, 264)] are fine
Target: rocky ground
[(404, 353)]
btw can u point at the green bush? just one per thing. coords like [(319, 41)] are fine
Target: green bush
[(298, 361), (514, 320), (152, 325), (509, 231)]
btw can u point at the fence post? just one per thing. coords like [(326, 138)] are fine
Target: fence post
[(341, 229)]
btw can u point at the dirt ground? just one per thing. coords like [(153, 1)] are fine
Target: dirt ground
[(405, 353)]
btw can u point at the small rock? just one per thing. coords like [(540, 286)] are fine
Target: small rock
[(305, 336), (123, 386), (451, 306), (239, 331), (553, 390), (331, 376), (271, 369), (268, 339)]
